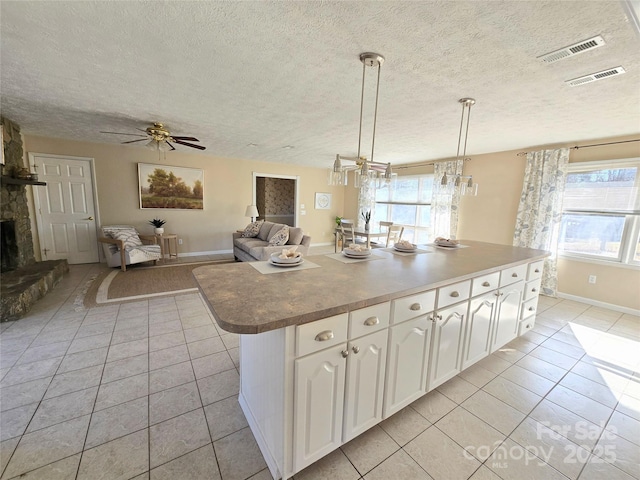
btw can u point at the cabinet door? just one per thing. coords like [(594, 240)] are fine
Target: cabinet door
[(446, 352), (318, 404), (406, 380), (508, 314), (365, 383), (477, 342)]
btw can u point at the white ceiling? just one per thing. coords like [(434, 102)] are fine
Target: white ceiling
[(285, 73)]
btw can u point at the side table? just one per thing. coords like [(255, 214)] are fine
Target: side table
[(166, 240)]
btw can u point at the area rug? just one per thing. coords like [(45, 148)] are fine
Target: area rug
[(116, 286)]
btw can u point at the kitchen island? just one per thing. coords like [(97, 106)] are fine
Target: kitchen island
[(328, 352)]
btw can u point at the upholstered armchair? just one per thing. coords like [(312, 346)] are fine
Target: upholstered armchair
[(123, 246)]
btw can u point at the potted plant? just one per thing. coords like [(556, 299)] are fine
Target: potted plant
[(338, 221), (158, 223), (367, 218)]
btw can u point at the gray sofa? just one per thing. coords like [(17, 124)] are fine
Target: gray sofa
[(258, 248)]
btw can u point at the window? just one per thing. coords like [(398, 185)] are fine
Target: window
[(600, 211), (407, 202)]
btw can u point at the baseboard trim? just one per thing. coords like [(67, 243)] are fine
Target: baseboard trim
[(596, 303), (211, 252)]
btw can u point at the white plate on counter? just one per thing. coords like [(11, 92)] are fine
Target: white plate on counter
[(405, 250), (278, 264)]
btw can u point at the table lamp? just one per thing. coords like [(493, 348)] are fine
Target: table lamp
[(251, 211)]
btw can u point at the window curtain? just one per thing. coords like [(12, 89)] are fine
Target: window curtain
[(444, 204), (540, 209)]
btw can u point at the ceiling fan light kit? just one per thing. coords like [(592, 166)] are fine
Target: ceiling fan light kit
[(160, 139)]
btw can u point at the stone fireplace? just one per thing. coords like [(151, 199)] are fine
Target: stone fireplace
[(23, 279)]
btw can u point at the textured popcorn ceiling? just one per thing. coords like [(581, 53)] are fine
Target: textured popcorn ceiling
[(286, 73)]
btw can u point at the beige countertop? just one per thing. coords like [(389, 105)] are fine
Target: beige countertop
[(245, 301)]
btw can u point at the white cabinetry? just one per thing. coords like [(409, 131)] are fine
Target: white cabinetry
[(318, 404), (509, 301), (448, 330), (479, 328), (365, 383)]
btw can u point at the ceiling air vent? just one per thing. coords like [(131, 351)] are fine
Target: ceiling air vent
[(571, 50), (592, 77)]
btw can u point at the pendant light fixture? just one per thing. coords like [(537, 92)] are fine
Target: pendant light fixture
[(365, 170), (461, 184)]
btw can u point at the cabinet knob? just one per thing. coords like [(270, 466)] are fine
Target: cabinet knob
[(498, 294), (534, 289), (531, 309), (324, 336), (344, 353), (371, 321), (454, 294), (486, 284), (355, 349), (537, 270), (415, 307), (514, 275)]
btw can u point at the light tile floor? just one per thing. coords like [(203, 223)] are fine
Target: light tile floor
[(148, 390)]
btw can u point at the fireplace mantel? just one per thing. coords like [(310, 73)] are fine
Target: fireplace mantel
[(7, 180)]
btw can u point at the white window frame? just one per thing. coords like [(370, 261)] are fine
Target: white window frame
[(390, 203), (631, 230)]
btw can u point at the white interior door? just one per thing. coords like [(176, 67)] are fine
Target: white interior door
[(65, 208)]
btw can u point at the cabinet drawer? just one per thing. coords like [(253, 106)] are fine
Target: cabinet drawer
[(321, 334), (532, 289), (513, 274), (484, 284), (529, 308), (525, 325), (535, 270), (413, 306), (369, 319), (453, 293)]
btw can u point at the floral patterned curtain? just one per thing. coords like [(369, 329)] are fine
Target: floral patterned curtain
[(540, 209), (444, 204)]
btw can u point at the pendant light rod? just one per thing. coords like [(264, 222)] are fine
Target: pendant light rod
[(466, 103), (364, 66), (370, 59)]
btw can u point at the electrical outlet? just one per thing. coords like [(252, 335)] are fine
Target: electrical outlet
[(179, 241), (592, 279), (303, 212)]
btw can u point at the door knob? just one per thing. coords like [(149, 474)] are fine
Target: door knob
[(89, 218)]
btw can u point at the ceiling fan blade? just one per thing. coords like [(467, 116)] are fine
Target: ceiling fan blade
[(119, 133), (134, 141), (188, 139), (172, 147), (180, 142)]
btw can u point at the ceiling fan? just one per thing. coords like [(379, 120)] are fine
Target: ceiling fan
[(160, 138)]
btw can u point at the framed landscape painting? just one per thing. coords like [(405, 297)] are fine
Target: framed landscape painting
[(163, 186)]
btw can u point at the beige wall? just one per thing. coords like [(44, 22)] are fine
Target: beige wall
[(491, 216), (227, 192)]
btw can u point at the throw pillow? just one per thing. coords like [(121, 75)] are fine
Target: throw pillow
[(129, 237), (295, 236), (281, 237), (252, 229)]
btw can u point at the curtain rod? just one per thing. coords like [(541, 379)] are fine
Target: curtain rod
[(577, 147)]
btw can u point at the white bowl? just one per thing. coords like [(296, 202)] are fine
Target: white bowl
[(275, 257), (358, 253)]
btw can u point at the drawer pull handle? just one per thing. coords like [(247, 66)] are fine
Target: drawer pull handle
[(537, 270), (454, 294), (355, 349), (415, 307), (514, 275), (531, 309), (371, 321), (324, 336), (486, 284), (344, 353)]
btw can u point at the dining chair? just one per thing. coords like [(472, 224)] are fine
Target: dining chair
[(346, 232), (394, 234), (384, 227)]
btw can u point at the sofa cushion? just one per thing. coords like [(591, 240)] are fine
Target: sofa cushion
[(264, 231), (128, 236), (246, 244), (280, 237), (295, 236), (253, 229)]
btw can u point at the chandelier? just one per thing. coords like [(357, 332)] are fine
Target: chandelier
[(366, 171), (455, 183)]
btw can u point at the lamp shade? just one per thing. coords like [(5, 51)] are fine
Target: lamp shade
[(252, 211)]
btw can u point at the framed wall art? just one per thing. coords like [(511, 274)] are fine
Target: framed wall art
[(164, 186), (323, 201)]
